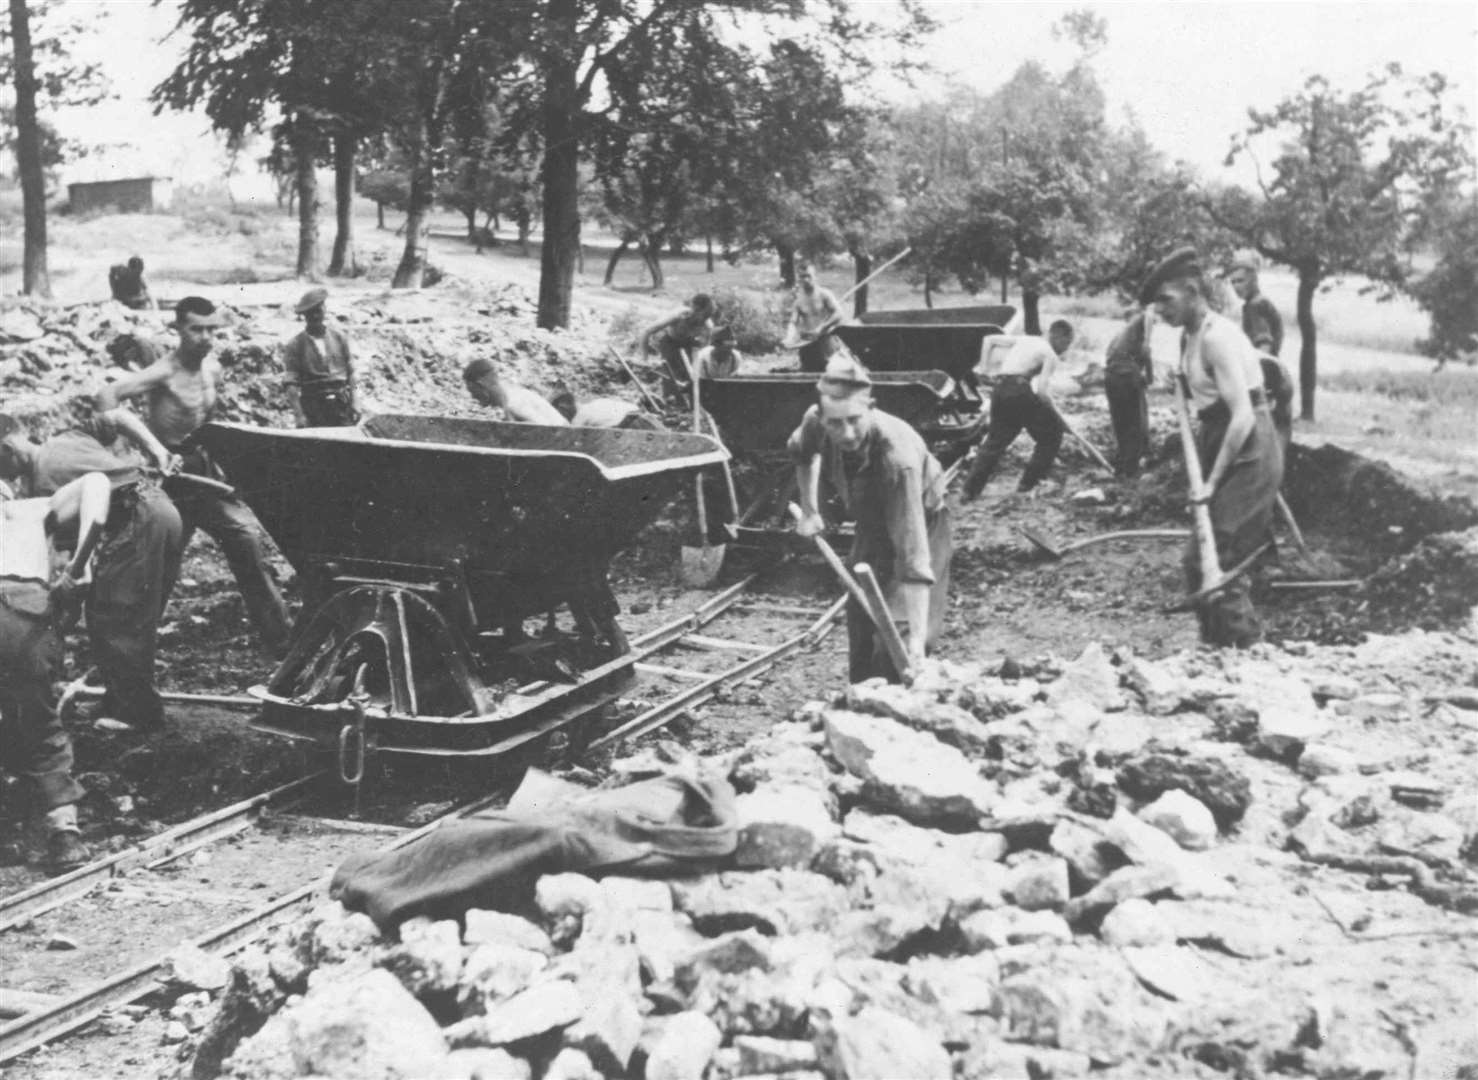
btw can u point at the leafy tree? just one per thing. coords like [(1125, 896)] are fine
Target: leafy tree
[(1342, 195), (1449, 292), (36, 59)]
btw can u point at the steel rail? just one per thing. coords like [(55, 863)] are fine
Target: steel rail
[(179, 840), (680, 702), (73, 1011)]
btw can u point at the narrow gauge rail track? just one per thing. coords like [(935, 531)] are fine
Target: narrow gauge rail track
[(29, 1020)]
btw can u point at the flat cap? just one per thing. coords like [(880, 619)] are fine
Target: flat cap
[(311, 299), (844, 374), (1182, 262)]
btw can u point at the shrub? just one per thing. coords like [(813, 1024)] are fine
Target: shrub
[(757, 319), (1448, 292)]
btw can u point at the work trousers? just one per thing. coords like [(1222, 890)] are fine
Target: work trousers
[(1242, 510), (235, 529), (134, 571), (867, 657), (1129, 411), (328, 405), (815, 354), (1014, 406), (35, 745)]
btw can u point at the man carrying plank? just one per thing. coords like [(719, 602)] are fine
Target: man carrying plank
[(1240, 456), (893, 489)]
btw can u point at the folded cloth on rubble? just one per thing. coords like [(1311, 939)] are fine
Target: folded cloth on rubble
[(493, 860)]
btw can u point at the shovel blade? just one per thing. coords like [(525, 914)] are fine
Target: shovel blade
[(1041, 543), (700, 566)]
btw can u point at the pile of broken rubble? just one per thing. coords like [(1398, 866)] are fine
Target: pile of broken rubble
[(1228, 865), (409, 349)]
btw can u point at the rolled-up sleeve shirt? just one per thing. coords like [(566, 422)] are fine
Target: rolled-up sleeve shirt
[(890, 486), (310, 361)]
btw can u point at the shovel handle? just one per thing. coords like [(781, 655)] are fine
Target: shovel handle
[(1211, 574), (882, 618), (646, 395), (834, 561)]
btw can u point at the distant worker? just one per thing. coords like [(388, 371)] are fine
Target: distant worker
[(126, 280), (1128, 372), (721, 359), (813, 317), (679, 336), (179, 393), (893, 489), (35, 598), (1240, 456), (137, 558), (1260, 319), (319, 369), (519, 403), (1021, 398), (606, 412)]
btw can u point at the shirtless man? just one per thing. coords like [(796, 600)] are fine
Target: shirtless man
[(813, 317), (1021, 398), (1238, 447), (519, 403), (179, 393)]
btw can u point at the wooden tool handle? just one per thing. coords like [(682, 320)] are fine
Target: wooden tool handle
[(882, 618), (848, 294), (835, 562), (1211, 574)]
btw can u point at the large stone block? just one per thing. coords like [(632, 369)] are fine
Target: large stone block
[(912, 774), (783, 825)]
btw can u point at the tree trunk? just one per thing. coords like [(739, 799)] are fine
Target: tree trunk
[(862, 266), (652, 252), (561, 164), (1033, 317), (929, 287), (708, 240), (525, 225), (787, 264), (412, 265), (379, 214), (621, 249), (343, 262), (1308, 363), (305, 149), (470, 213), (35, 278)]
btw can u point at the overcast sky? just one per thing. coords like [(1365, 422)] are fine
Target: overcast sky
[(1188, 69)]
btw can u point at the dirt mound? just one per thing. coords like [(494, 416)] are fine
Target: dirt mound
[(410, 348), (1434, 585)]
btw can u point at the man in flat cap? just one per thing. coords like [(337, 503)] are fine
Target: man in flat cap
[(1260, 319), (318, 369), (1240, 456), (179, 393), (1020, 398), (893, 488)]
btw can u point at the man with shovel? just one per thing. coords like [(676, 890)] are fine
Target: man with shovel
[(1236, 449), (893, 488), (1021, 398)]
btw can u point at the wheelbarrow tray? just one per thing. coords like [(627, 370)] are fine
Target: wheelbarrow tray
[(953, 348), (757, 413), (524, 510), (990, 314)]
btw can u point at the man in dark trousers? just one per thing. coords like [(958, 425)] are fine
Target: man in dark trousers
[(1240, 455), (1020, 398), (1260, 319), (893, 489), (318, 369), (137, 561), (179, 392), (35, 596), (1128, 371)]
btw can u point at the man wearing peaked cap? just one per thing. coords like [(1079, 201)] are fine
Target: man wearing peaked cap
[(1260, 319), (893, 488), (1238, 450), (318, 368)]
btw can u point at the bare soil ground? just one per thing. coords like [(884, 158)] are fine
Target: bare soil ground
[(1008, 603)]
